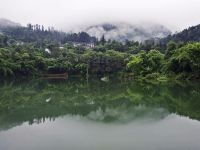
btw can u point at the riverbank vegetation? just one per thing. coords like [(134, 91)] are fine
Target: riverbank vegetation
[(19, 57)]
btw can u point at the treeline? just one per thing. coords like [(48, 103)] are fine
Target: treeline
[(41, 36), (28, 60), (33, 51), (192, 34), (187, 35), (179, 63)]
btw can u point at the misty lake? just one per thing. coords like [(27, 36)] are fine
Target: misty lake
[(75, 114)]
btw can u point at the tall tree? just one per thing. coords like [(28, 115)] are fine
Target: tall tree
[(102, 40)]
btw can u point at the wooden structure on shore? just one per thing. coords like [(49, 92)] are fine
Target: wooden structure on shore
[(56, 76)]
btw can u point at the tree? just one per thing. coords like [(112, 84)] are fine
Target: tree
[(29, 26), (135, 65), (146, 63), (102, 40), (3, 40), (171, 47), (42, 28), (186, 59), (155, 60)]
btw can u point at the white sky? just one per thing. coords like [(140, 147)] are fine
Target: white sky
[(64, 14)]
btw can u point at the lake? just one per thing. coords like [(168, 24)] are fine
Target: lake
[(75, 114)]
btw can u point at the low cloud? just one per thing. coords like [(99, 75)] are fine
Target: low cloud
[(65, 14)]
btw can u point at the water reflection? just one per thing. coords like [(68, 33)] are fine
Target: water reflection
[(116, 101), (126, 114), (116, 115)]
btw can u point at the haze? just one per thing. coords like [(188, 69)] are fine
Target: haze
[(65, 14)]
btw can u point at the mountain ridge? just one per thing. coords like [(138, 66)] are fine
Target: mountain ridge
[(125, 31), (4, 23)]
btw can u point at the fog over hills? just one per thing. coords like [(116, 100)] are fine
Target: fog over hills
[(119, 31), (126, 31), (7, 23)]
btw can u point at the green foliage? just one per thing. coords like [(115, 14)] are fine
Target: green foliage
[(171, 47), (6, 65), (187, 35), (155, 60), (186, 59), (3, 40), (135, 65), (33, 51), (183, 62), (146, 63), (41, 36), (28, 60)]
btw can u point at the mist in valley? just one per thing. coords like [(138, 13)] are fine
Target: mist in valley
[(66, 15)]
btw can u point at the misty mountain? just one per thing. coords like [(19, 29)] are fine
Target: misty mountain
[(4, 23), (126, 31), (191, 34)]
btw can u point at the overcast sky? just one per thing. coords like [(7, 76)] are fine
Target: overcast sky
[(64, 14)]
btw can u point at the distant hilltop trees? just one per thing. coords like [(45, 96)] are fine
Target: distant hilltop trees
[(41, 35), (38, 27)]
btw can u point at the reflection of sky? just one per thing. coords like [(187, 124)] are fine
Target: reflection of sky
[(107, 116), (77, 133), (124, 114), (120, 115)]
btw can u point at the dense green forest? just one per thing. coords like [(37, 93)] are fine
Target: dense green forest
[(33, 51)]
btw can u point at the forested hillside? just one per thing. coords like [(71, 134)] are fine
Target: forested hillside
[(40, 35), (192, 34), (34, 50)]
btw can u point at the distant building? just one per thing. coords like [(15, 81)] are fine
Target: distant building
[(83, 44), (47, 50), (20, 43)]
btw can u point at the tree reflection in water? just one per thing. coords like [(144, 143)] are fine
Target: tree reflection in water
[(114, 101)]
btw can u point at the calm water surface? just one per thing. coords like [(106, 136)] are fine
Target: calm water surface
[(95, 115)]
